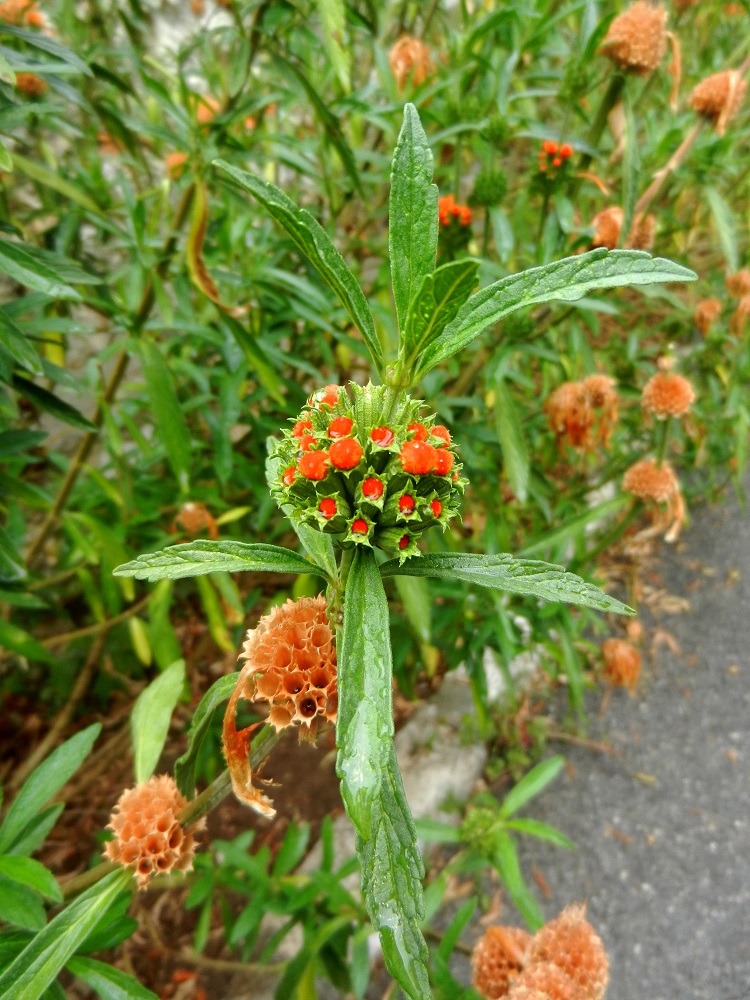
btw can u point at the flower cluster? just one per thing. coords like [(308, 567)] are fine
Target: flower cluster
[(573, 407), (564, 960), (637, 39), (148, 835), (291, 666), (449, 210), (19, 12), (553, 157), (371, 476)]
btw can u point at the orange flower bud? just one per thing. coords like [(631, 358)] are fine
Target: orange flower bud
[(345, 453), (314, 465), (418, 457), (340, 427)]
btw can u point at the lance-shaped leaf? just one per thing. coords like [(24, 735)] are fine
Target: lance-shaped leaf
[(439, 297), (412, 213), (516, 460), (27, 270), (203, 556), (149, 720), (165, 406), (530, 577), (371, 784), (317, 247), (561, 281), (196, 266), (184, 768)]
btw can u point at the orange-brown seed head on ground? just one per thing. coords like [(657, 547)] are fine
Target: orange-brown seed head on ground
[(622, 663), (497, 956), (719, 97), (637, 38), (706, 313), (410, 58), (571, 943), (148, 836), (667, 394), (549, 980)]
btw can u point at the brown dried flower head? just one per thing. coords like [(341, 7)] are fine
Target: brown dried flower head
[(667, 394), (527, 993), (14, 11), (550, 981), (657, 483), (148, 835), (637, 38), (291, 665), (607, 227), (706, 313), (572, 411), (740, 316), (719, 97), (30, 84), (571, 943), (602, 395), (738, 284), (622, 663), (642, 232), (498, 955), (410, 58), (195, 518)]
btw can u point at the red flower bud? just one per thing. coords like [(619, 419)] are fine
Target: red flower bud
[(436, 507), (403, 541), (444, 462), (302, 427), (340, 427), (406, 504), (419, 432), (327, 508), (360, 526), (441, 432), (328, 396), (557, 162), (549, 147), (306, 441), (418, 457), (314, 465), (382, 436), (566, 150), (288, 477), (372, 488), (345, 453)]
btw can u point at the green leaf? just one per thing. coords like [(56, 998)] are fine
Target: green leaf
[(12, 567), (16, 640), (725, 227), (20, 906), (535, 828), (417, 601), (316, 246), (39, 40), (505, 859), (48, 401), (439, 297), (563, 281), (149, 721), (575, 526), (27, 270), (109, 982), (55, 182), (258, 363), (531, 784), (412, 213), (15, 342), (165, 406), (37, 830), (184, 768), (44, 782), (516, 461), (333, 18), (32, 874), (371, 786), (36, 967), (504, 572), (204, 556), (435, 832)]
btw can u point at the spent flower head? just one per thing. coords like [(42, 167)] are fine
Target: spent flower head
[(657, 483), (497, 956), (571, 943), (667, 394), (719, 97), (706, 313), (410, 59), (622, 663), (637, 39)]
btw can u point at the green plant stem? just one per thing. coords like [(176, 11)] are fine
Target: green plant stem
[(208, 799), (662, 436), (610, 98), (113, 384)]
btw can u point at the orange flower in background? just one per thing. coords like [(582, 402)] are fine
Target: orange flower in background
[(291, 666), (571, 943), (497, 956), (108, 146), (719, 97), (30, 84), (174, 165), (148, 835), (740, 316), (410, 59), (449, 209), (14, 11), (667, 394), (656, 483), (607, 227), (574, 408), (738, 284), (206, 109), (553, 156), (706, 313), (195, 518), (622, 663), (637, 38)]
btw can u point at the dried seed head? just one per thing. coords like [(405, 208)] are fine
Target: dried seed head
[(410, 58), (706, 313), (719, 97), (148, 836), (14, 11), (549, 980), (637, 38), (526, 993), (195, 518), (291, 665), (602, 395), (30, 84), (571, 943), (740, 316), (667, 394), (658, 484), (570, 414), (642, 232), (622, 663), (738, 284), (498, 955), (607, 226)]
